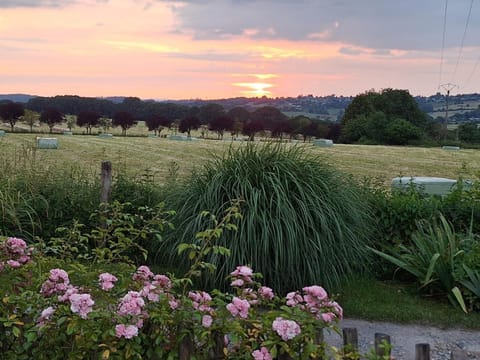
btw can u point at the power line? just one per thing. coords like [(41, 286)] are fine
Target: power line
[(473, 71), (463, 40), (443, 42)]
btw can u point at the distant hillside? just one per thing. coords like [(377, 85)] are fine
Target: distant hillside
[(22, 98), (462, 107)]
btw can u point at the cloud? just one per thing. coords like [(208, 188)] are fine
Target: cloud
[(44, 3), (377, 24)]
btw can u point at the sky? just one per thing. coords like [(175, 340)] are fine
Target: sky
[(212, 49)]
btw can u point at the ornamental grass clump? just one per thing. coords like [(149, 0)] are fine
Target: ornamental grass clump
[(302, 220)]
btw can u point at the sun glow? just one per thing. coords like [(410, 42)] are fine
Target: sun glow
[(256, 89)]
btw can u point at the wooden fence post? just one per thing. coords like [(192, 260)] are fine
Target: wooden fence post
[(217, 351), (379, 348), (350, 338), (185, 351), (106, 181), (422, 352)]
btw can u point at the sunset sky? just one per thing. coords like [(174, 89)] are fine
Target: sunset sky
[(210, 49)]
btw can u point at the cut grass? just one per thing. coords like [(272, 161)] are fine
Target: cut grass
[(139, 155), (390, 301)]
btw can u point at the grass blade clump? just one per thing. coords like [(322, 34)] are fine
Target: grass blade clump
[(302, 222)]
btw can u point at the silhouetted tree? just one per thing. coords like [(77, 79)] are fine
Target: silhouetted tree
[(89, 119), (157, 123), (207, 113), (269, 116), (11, 112), (221, 124), (188, 124), (252, 127), (124, 119), (51, 117)]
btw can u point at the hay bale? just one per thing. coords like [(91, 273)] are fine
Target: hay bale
[(451, 148), (47, 143), (323, 142), (67, 133), (428, 185), (181, 138), (105, 136), (2, 133)]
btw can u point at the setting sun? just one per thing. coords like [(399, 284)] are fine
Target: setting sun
[(256, 89)]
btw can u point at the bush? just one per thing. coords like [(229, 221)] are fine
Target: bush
[(89, 313), (302, 221)]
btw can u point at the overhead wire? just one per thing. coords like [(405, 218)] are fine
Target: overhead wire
[(463, 41), (443, 43)]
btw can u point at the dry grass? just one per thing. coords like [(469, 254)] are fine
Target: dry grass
[(139, 155)]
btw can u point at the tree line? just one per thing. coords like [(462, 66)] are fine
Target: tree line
[(390, 117)]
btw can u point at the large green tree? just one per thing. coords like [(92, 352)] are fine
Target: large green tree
[(374, 117)]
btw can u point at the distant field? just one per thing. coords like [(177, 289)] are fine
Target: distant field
[(140, 155)]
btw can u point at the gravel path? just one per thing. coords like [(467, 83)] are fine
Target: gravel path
[(405, 337)]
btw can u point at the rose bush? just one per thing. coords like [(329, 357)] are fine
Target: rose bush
[(47, 315)]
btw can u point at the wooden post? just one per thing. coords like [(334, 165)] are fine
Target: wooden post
[(217, 351), (379, 348), (185, 351), (422, 352), (106, 181), (350, 338)]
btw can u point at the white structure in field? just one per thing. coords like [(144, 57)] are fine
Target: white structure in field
[(428, 185), (47, 143), (322, 142)]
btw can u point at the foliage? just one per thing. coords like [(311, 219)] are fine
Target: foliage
[(188, 124), (303, 222), (51, 117), (434, 258), (11, 112), (89, 119), (157, 123), (117, 232), (389, 117), (69, 315), (124, 119)]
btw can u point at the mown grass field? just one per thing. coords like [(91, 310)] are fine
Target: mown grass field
[(141, 155)]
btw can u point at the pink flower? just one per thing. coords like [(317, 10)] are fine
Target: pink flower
[(14, 264), (45, 316), (287, 329), (81, 304), (294, 298), (316, 291), (126, 331), (148, 291), (328, 317), (242, 271), (131, 304), (239, 307), (69, 292), (266, 293), (57, 283), (201, 301), (262, 354), (207, 321), (106, 281), (143, 273), (162, 281), (237, 283)]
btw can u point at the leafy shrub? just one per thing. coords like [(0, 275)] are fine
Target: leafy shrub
[(302, 221), (436, 259), (81, 314)]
